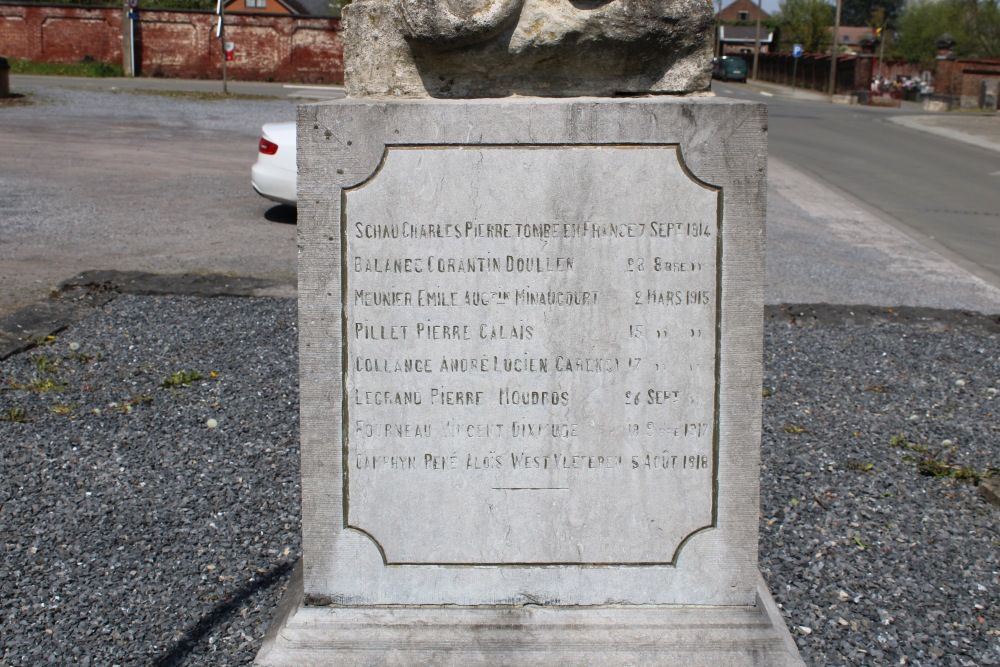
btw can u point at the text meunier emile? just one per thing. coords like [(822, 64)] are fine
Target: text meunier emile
[(512, 331)]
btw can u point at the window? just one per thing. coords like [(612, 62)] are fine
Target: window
[(744, 16), (255, 4)]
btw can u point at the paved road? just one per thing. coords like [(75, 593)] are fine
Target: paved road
[(93, 176), (99, 179), (946, 190), (260, 88)]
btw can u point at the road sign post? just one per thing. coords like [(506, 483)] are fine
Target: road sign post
[(796, 54), (220, 32)]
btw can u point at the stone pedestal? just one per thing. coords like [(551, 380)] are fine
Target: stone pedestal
[(530, 350)]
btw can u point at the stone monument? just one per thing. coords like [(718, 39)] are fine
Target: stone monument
[(530, 345)]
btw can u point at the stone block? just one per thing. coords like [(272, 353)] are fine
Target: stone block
[(469, 49), (530, 352)]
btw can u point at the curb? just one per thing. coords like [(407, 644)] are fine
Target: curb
[(922, 124), (82, 294), (938, 319)]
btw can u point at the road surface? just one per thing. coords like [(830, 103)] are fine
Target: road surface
[(944, 190)]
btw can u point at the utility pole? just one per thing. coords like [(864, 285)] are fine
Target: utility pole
[(221, 34), (833, 51), (756, 41), (881, 49), (127, 45)]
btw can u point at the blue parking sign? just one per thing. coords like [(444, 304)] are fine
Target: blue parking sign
[(796, 50)]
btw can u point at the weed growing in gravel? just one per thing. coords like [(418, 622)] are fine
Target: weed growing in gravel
[(125, 407), (860, 466), (937, 463), (794, 429), (80, 357), (181, 379), (932, 466), (16, 415), (899, 440), (44, 365), (62, 409), (42, 386)]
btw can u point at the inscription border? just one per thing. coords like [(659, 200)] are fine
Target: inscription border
[(718, 313)]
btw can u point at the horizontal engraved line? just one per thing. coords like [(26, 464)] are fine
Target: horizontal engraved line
[(531, 488)]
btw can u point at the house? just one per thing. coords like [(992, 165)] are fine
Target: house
[(741, 39), (855, 40), (741, 11), (266, 7)]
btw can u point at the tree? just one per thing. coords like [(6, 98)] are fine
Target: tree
[(982, 25), (806, 22), (864, 12), (973, 24), (919, 26)]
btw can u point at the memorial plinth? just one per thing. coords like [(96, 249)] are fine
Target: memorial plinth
[(530, 351)]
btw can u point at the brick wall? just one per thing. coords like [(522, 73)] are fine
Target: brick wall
[(172, 43), (962, 80), (813, 71)]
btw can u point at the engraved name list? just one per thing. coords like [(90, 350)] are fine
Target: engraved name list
[(532, 338)]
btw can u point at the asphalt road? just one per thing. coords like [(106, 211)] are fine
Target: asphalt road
[(108, 179), (94, 176), (939, 188)]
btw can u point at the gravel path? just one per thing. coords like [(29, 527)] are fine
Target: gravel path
[(150, 525)]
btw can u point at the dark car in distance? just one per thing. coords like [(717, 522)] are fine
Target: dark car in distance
[(730, 68)]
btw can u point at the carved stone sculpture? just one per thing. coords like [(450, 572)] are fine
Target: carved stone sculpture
[(497, 48)]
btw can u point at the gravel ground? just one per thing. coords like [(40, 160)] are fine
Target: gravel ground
[(145, 525)]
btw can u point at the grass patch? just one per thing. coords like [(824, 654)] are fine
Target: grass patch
[(80, 357), (201, 95), (181, 379), (125, 407), (16, 415), (900, 442), (42, 386), (90, 69), (794, 429), (860, 466), (938, 463), (44, 365)]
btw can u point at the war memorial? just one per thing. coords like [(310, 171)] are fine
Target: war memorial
[(531, 250)]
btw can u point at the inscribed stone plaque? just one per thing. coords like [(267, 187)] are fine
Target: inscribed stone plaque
[(531, 354)]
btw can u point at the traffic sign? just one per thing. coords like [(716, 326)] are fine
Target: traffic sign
[(796, 50)]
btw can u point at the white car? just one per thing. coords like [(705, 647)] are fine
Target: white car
[(275, 175)]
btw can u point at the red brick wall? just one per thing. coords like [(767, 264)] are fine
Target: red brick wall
[(962, 79), (813, 71), (179, 43)]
